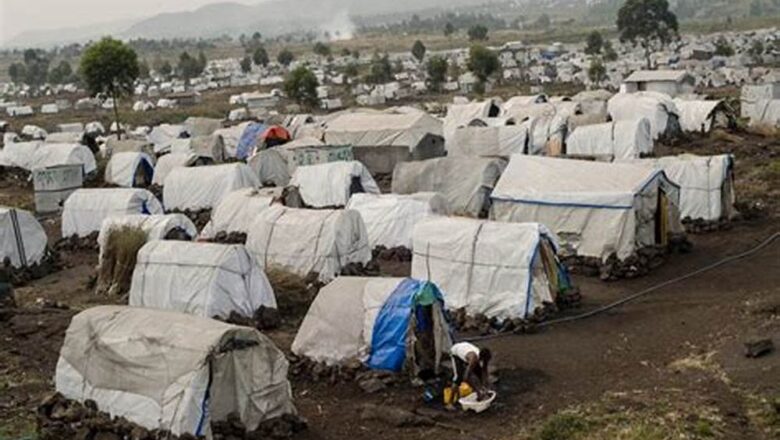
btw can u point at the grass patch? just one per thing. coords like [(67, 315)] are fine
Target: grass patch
[(651, 415), (561, 426)]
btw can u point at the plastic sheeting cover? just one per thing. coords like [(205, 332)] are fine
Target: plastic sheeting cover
[(331, 184)]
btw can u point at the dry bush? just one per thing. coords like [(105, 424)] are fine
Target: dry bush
[(766, 130), (119, 256)]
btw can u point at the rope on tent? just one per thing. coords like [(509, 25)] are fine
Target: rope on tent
[(755, 249)]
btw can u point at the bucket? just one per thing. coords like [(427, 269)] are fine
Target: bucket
[(54, 184)]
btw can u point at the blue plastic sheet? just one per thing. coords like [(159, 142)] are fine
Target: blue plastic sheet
[(249, 139), (388, 339)]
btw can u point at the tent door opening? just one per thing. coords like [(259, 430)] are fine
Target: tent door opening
[(662, 219)]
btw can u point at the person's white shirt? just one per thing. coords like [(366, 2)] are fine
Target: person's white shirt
[(462, 349)]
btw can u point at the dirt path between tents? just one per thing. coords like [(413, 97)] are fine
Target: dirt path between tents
[(682, 345)]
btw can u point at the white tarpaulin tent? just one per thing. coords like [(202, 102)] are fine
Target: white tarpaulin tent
[(198, 188), (35, 155), (236, 212), (465, 182), (381, 140), (706, 183), (390, 218), (156, 227), (658, 108), (595, 208), (163, 135), (129, 169), (167, 162), (372, 320), (303, 241), (625, 139), (497, 269), (231, 136), (270, 166), (462, 115), (22, 239), (331, 184), (204, 279), (699, 116), (502, 140), (85, 209), (178, 372)]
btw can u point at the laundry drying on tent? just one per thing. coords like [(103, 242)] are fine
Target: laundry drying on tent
[(156, 227), (197, 188), (305, 241), (465, 182), (390, 324), (390, 218), (496, 269), (236, 213), (85, 209), (331, 184), (595, 208), (180, 373), (204, 279), (624, 139), (130, 170)]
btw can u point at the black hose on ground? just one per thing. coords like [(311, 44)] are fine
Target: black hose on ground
[(640, 294)]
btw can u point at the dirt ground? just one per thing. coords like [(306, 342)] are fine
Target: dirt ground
[(670, 365)]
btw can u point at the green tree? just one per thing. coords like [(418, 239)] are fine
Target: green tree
[(595, 43), (257, 36), (189, 67), (165, 69), (437, 72), (418, 50), (260, 57), (756, 51), (647, 23), (301, 86), (143, 69), (246, 65), (321, 49), (380, 71), (202, 61), (543, 22), (285, 57), (597, 73), (478, 33), (36, 67), (61, 74), (345, 52), (110, 67), (723, 48), (482, 62), (17, 72), (449, 29), (609, 51), (351, 70)]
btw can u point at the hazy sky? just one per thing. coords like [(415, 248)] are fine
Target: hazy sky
[(21, 15)]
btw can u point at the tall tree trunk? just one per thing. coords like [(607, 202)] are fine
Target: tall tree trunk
[(647, 56), (116, 117)]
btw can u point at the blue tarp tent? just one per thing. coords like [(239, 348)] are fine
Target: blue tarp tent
[(249, 140), (376, 320)]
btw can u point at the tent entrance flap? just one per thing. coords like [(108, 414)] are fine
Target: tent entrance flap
[(662, 219)]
